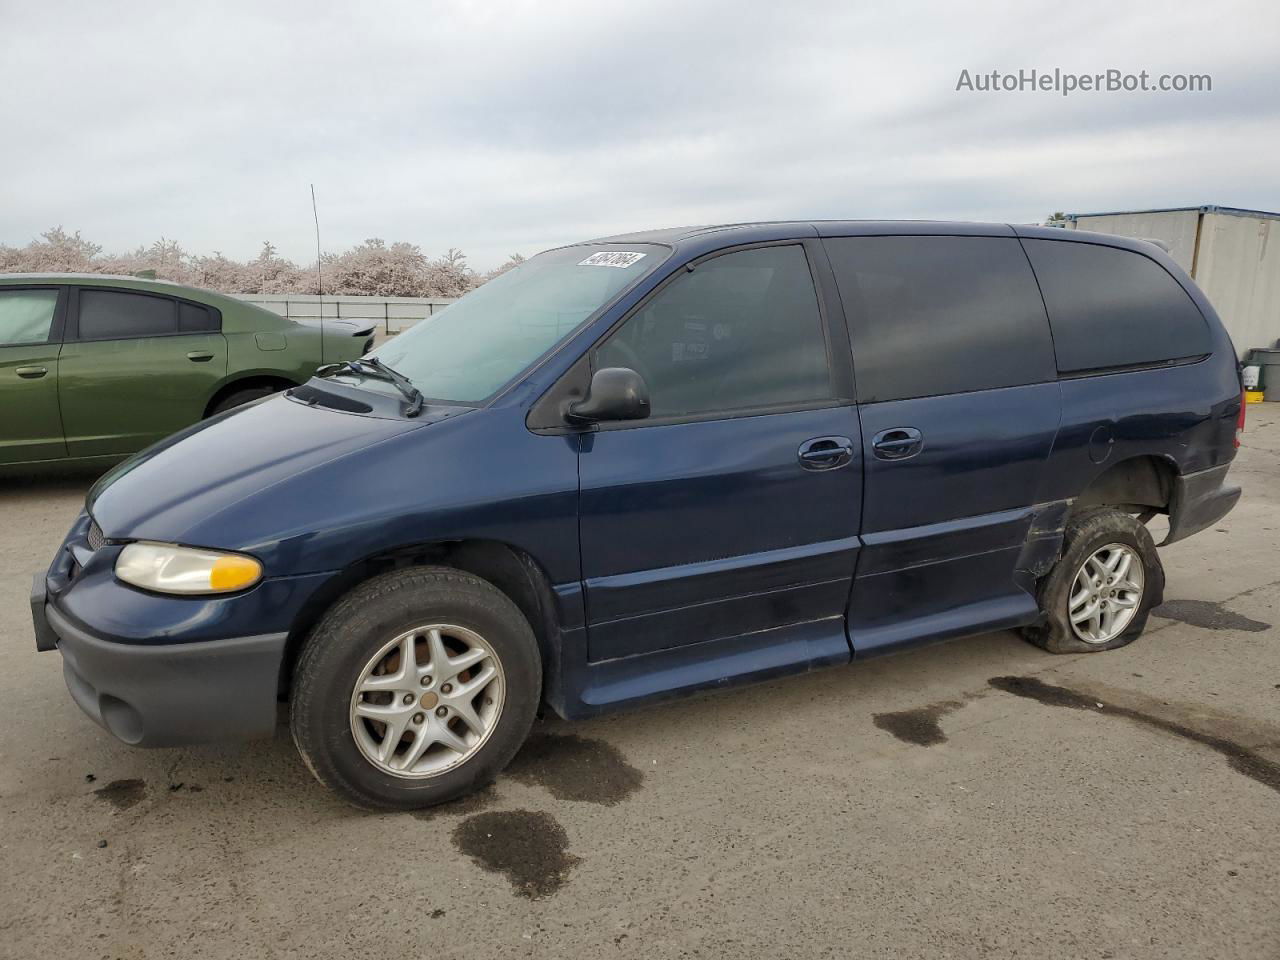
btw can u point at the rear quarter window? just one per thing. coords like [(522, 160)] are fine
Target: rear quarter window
[(1112, 308), (938, 315), (196, 318)]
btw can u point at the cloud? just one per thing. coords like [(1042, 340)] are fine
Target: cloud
[(503, 127)]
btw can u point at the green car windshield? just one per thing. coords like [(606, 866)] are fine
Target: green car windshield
[(474, 347)]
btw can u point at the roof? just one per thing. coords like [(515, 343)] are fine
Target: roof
[(697, 241), (812, 228), (166, 287), (676, 234), (67, 277), (1205, 208)]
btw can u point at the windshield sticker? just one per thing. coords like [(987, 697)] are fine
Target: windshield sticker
[(611, 258)]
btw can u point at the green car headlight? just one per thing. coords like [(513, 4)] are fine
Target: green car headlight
[(168, 568)]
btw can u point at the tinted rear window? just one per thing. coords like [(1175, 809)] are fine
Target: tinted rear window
[(112, 314), (1114, 308), (193, 318), (936, 315)]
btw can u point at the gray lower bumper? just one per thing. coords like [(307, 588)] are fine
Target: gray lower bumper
[(164, 695), (1199, 500)]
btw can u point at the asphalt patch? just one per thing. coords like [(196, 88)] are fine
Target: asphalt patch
[(576, 768), (473, 802), (122, 794), (919, 726), (1242, 759), (530, 848), (1210, 616)]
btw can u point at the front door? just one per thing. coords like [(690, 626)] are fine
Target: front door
[(135, 368), (734, 508), (30, 427)]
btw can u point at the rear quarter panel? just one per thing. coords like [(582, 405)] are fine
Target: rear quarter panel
[(1184, 414), (292, 354)]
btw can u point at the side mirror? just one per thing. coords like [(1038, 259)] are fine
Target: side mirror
[(616, 393)]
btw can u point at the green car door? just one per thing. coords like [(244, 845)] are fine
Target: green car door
[(134, 368), (30, 335)]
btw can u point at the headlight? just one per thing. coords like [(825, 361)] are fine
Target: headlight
[(167, 568)]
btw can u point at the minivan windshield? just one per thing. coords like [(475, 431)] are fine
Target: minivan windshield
[(472, 348)]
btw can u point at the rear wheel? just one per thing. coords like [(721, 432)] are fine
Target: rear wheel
[(240, 397), (1099, 594), (418, 687)]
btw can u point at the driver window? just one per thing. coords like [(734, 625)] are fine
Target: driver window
[(740, 331)]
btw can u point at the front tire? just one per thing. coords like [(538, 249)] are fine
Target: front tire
[(416, 688), (1099, 594)]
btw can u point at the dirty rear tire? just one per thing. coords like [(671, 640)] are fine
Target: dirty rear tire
[(1086, 533), (354, 629)]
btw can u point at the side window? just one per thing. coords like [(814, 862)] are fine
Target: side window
[(115, 314), (938, 315), (194, 318), (26, 316), (1114, 308), (741, 330)]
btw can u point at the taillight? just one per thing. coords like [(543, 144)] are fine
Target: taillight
[(1240, 419)]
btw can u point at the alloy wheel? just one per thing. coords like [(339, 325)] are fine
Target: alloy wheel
[(427, 701), (1106, 593)]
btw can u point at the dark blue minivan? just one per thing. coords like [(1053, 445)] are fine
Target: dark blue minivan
[(648, 465)]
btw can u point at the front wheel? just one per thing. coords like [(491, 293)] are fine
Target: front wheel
[(417, 687), (1099, 594)]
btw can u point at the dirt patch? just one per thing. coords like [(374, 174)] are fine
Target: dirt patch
[(531, 849), (122, 794), (576, 768), (919, 726), (1209, 616), (1241, 758)]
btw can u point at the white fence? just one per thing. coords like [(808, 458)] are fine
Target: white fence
[(392, 313)]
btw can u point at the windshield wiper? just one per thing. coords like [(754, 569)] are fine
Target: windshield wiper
[(376, 369)]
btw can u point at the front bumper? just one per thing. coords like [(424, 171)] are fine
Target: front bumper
[(167, 694), (1199, 500)]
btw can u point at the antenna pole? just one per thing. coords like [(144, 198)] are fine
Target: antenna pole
[(319, 273)]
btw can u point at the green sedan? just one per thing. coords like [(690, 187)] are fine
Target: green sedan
[(95, 367)]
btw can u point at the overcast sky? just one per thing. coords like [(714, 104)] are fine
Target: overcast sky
[(510, 127)]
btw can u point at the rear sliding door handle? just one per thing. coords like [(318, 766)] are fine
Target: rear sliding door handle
[(825, 453), (897, 443), (31, 373), (199, 356)]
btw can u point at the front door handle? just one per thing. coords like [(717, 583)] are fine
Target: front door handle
[(825, 453), (199, 356), (897, 443), (31, 373)]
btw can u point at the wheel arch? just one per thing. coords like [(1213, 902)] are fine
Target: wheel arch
[(245, 382), (508, 568), (1141, 483)]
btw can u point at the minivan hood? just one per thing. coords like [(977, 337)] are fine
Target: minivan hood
[(191, 477)]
